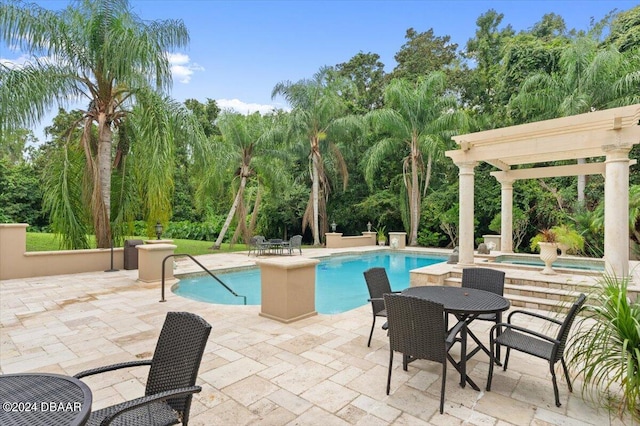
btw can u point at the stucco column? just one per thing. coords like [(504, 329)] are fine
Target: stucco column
[(506, 214), (616, 210), (465, 231)]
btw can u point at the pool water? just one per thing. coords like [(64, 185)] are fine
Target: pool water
[(340, 284), (569, 263)]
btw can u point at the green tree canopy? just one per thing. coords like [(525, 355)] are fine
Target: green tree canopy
[(423, 53)]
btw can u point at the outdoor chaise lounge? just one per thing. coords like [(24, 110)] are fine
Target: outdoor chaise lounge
[(550, 348), (171, 379)]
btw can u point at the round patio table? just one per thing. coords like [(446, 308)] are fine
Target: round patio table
[(466, 304), (33, 399)]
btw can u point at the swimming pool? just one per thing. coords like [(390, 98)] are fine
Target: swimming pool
[(340, 285)]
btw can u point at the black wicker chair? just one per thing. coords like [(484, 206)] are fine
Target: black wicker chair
[(171, 379), (417, 329), (490, 280), (378, 284), (295, 242), (257, 245), (536, 344)]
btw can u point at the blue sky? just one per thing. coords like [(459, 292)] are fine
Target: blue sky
[(239, 50)]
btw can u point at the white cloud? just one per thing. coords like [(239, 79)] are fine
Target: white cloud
[(18, 62), (181, 67), (243, 107)]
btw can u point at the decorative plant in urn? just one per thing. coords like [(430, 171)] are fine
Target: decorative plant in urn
[(546, 241)]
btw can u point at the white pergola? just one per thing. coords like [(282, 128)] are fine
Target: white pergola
[(610, 133)]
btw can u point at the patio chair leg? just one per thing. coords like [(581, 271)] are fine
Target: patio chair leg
[(506, 360), (371, 333), (389, 375), (491, 362), (444, 382), (566, 374), (555, 385), (498, 333)]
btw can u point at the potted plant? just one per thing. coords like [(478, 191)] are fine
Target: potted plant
[(382, 238), (547, 242), (605, 349), (568, 239)]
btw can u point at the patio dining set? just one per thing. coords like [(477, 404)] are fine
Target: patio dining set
[(259, 245), (418, 325)]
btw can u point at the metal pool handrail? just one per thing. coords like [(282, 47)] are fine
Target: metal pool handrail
[(205, 269)]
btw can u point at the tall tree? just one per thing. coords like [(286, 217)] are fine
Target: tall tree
[(485, 53), (366, 72), (417, 119), (624, 33), (101, 53), (423, 53), (13, 144), (316, 109), (247, 148)]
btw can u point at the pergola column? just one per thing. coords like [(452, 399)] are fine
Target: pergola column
[(506, 213), (616, 210), (466, 212)]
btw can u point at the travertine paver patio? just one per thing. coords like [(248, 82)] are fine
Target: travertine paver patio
[(317, 371)]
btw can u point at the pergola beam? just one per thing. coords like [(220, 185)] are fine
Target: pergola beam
[(555, 171)]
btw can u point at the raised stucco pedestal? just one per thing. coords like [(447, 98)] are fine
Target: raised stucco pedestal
[(288, 288), (150, 257), (400, 239)]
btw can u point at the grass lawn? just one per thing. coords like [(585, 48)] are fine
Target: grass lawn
[(37, 241)]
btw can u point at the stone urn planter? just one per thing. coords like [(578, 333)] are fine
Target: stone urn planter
[(548, 254)]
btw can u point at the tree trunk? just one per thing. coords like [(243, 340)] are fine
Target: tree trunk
[(315, 188), (414, 201), (101, 198), (232, 212)]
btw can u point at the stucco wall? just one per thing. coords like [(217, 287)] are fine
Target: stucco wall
[(336, 240), (16, 262)]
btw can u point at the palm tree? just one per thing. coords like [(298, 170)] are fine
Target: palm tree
[(589, 78), (99, 52), (416, 120), (247, 148), (318, 116)]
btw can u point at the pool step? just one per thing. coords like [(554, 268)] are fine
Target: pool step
[(529, 294)]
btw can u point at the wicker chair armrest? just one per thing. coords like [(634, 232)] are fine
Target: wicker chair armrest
[(111, 368), (534, 314), (376, 299), (525, 331), (451, 337), (139, 402)]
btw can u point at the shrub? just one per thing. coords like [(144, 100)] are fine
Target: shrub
[(606, 347)]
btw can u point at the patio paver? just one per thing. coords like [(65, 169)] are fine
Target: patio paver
[(259, 371)]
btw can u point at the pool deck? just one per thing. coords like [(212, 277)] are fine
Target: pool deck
[(258, 371)]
